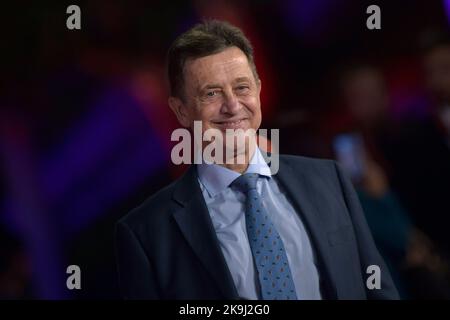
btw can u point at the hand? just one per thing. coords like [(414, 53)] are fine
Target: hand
[(374, 180), (421, 253)]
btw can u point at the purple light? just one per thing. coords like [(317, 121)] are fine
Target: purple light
[(447, 9), (311, 20), (103, 159)]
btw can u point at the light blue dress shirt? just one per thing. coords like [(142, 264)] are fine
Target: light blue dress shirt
[(226, 207)]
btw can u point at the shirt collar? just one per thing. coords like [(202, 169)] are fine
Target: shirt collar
[(216, 178)]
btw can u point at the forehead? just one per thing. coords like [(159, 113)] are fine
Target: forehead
[(221, 67)]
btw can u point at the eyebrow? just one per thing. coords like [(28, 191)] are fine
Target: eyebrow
[(216, 85), (210, 86), (241, 79)]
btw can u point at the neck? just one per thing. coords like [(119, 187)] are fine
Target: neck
[(241, 167)]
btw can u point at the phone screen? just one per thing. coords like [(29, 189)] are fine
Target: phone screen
[(349, 151)]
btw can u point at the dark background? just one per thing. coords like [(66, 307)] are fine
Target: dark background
[(85, 127)]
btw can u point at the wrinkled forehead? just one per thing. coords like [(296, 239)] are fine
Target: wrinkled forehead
[(221, 68)]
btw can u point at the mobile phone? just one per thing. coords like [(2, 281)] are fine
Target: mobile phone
[(349, 151)]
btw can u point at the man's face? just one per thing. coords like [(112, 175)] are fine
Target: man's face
[(221, 91)]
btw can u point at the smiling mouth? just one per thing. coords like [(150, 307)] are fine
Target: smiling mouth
[(230, 124)]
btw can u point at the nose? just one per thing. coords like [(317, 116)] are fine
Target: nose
[(231, 104)]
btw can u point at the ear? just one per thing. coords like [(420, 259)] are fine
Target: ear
[(179, 108)]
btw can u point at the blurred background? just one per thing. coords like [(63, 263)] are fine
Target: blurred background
[(85, 127)]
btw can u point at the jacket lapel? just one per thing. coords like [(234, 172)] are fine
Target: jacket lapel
[(195, 223), (301, 196)]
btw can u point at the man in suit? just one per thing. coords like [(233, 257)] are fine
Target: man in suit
[(239, 230)]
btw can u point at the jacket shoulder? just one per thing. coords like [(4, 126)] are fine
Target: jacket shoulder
[(154, 208), (315, 170), (308, 163)]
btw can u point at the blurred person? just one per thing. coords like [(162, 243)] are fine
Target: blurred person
[(436, 60), (430, 142), (366, 153), (421, 161), (239, 231)]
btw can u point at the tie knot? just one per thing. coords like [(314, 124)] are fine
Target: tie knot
[(246, 182)]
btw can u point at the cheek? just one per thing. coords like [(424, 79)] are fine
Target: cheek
[(251, 102), (257, 119), (208, 112), (255, 108)]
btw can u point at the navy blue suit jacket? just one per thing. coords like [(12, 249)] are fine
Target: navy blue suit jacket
[(167, 247)]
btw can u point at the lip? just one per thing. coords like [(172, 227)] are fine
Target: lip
[(231, 124)]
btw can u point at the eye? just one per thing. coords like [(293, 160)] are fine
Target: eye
[(211, 93), (242, 88)]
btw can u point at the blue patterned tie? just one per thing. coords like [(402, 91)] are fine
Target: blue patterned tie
[(267, 247)]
